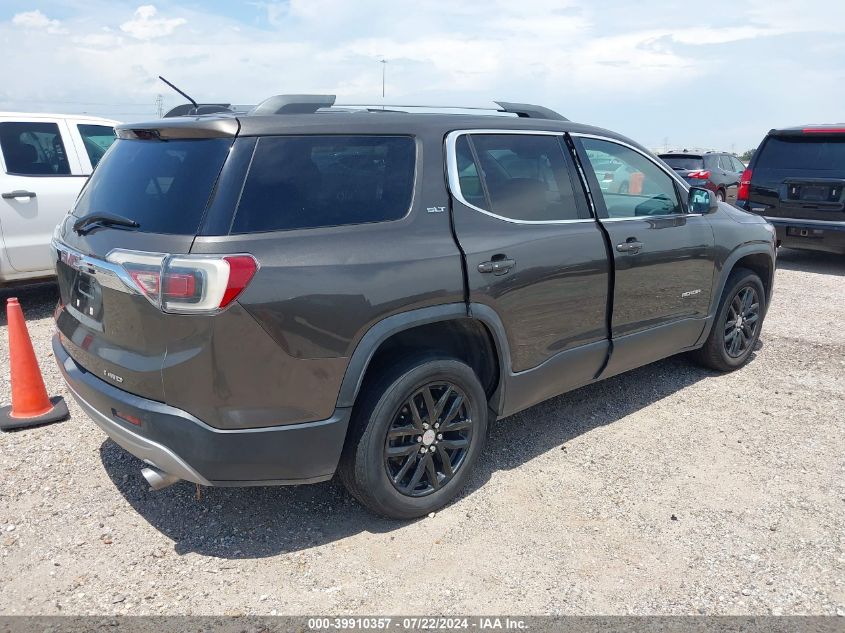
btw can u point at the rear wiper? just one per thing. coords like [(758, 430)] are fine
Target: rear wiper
[(102, 220)]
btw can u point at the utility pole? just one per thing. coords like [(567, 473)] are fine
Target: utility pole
[(160, 106), (383, 63)]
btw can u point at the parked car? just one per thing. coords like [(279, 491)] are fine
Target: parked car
[(252, 299), (795, 179), (614, 176), (717, 171), (45, 159)]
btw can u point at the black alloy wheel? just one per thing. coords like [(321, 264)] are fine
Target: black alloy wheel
[(731, 341), (428, 439), (742, 321), (417, 430)]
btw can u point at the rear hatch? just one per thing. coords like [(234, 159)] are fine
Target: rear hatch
[(149, 193), (800, 174), (685, 164)]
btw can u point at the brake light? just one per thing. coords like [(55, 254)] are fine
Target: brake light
[(241, 270), (186, 284), (824, 130), (744, 185), (699, 174)]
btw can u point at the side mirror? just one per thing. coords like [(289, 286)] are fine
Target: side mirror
[(702, 200)]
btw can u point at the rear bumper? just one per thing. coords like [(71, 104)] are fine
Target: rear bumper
[(814, 235), (178, 443)]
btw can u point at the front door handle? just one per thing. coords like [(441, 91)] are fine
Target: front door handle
[(631, 245), (496, 266), (17, 193)]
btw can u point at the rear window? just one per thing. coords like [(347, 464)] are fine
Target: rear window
[(162, 185), (683, 162), (801, 152), (298, 182)]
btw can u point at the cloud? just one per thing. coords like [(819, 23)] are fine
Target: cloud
[(646, 71), (98, 40), (146, 26), (38, 21)]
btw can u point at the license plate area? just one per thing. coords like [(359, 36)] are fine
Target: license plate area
[(795, 231), (813, 192), (87, 297)]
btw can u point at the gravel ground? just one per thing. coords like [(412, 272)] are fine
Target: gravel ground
[(667, 490)]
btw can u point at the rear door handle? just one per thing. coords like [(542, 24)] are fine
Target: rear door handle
[(631, 246), (496, 266), (18, 193)]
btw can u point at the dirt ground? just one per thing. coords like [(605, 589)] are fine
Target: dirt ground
[(668, 490)]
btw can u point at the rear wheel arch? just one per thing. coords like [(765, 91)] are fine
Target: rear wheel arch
[(442, 331)]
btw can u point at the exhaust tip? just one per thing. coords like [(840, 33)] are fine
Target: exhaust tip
[(158, 479)]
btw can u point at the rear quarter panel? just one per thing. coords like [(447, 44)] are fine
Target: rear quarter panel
[(318, 291)]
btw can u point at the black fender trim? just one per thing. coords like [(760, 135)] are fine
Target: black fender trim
[(493, 323), (750, 248), (379, 333)]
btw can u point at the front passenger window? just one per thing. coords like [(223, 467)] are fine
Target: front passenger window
[(630, 183)]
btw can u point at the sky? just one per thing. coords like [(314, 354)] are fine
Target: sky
[(713, 74)]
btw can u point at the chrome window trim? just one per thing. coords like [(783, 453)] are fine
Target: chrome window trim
[(684, 185), (666, 171), (653, 217), (453, 176)]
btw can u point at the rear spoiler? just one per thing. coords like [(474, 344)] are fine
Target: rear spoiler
[(819, 130), (180, 128)]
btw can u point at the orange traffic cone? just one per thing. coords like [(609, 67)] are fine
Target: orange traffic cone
[(30, 404)]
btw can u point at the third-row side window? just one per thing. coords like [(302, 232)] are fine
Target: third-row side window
[(298, 182), (524, 176)]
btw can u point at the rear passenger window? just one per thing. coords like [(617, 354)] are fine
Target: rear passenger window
[(630, 183), (33, 149), (298, 182), (96, 139), (525, 177)]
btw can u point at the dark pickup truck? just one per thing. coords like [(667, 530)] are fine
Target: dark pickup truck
[(274, 296)]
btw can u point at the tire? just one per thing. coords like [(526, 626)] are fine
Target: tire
[(385, 485), (720, 195), (731, 340)]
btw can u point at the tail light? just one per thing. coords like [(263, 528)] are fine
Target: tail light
[(744, 185), (699, 174), (186, 284)]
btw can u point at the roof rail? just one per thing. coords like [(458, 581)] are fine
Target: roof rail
[(530, 111), (525, 110), (293, 104)]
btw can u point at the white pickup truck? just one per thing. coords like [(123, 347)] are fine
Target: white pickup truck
[(44, 161)]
